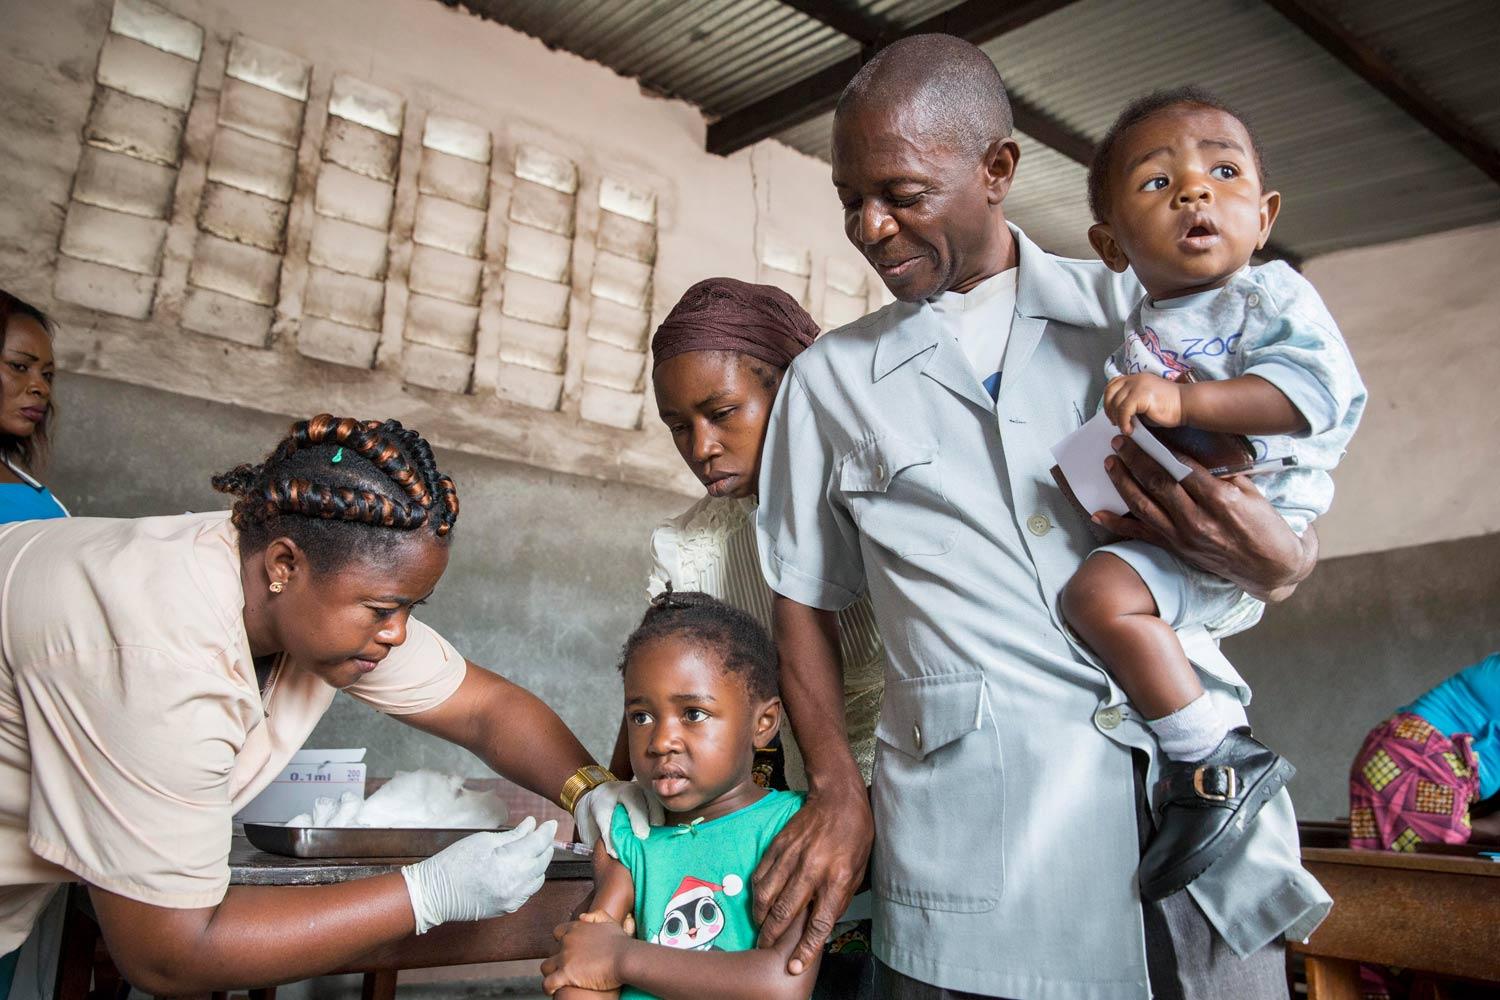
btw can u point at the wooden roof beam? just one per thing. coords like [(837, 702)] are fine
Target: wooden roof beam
[(1362, 57), (977, 21), (864, 28)]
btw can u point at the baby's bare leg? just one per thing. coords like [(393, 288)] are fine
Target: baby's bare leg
[(1111, 609)]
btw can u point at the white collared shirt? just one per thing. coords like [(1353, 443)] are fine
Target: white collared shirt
[(980, 320)]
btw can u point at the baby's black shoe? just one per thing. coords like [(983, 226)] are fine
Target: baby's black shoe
[(1206, 808)]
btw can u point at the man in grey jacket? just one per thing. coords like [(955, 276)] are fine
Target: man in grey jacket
[(908, 456)]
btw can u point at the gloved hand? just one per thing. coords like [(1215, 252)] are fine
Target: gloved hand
[(483, 875), (595, 810)]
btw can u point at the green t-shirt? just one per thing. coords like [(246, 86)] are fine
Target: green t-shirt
[(692, 882)]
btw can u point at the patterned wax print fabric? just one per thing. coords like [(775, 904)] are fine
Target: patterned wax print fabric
[(1411, 785), (692, 882), (1469, 702)]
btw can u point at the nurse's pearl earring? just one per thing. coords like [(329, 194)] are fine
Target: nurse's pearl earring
[(277, 586)]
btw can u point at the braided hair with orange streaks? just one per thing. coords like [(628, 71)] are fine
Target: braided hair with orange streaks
[(340, 488)]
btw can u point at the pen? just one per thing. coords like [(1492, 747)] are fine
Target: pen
[(582, 850), (1254, 468)]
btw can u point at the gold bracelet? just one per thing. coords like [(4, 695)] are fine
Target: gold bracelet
[(584, 779)]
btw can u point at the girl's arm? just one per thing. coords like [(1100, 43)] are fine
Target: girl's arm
[(602, 954), (614, 899)]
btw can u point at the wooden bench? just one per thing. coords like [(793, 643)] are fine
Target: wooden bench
[(1437, 913)]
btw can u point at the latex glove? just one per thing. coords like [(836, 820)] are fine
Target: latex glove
[(483, 875), (594, 812)]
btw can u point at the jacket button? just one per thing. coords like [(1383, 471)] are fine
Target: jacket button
[(916, 735), (1038, 524), (1108, 718), (1252, 300), (880, 471)]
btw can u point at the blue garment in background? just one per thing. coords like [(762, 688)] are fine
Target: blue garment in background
[(1469, 702), (21, 502)]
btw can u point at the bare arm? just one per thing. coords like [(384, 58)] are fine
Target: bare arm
[(257, 936), (508, 728), (1244, 405), (1223, 526), (260, 935), (602, 956), (819, 858), (614, 899)]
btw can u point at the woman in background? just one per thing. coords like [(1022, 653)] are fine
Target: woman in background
[(26, 369), (1430, 774)]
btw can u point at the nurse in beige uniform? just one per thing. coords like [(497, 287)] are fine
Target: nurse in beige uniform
[(156, 673)]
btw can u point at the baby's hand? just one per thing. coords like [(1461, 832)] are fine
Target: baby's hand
[(1149, 396), (588, 956)]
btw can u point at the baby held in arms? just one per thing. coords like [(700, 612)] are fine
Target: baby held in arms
[(700, 697), (1222, 348)]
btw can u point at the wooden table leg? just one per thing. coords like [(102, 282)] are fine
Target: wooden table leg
[(75, 959), (379, 985), (1331, 978)]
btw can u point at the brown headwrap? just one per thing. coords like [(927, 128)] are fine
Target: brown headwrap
[(722, 314)]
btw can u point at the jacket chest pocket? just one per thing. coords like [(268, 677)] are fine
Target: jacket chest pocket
[(894, 492), (938, 796)]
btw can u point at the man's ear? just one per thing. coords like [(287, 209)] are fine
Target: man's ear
[(1270, 205), (767, 722), (1102, 239), (1000, 168)]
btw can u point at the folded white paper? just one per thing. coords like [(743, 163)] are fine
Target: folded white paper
[(309, 775), (1081, 457)]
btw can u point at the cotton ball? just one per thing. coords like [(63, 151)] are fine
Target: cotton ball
[(429, 799)]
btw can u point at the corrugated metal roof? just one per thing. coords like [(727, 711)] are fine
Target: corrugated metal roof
[(1353, 168), (719, 54), (1447, 47)]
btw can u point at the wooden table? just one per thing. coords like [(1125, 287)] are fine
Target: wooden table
[(525, 934), (1430, 912)]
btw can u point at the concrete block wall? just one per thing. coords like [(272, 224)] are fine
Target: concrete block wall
[(432, 218), (109, 253), (234, 280), (786, 266), (448, 251), (344, 304)]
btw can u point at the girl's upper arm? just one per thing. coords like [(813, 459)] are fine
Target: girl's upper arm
[(614, 889)]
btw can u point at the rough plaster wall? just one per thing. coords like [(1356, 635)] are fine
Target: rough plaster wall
[(1363, 636), (1423, 320), (540, 587), (737, 216)]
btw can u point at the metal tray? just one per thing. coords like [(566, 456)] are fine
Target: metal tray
[(350, 842)]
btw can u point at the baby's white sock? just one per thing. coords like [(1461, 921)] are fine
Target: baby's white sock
[(1191, 732)]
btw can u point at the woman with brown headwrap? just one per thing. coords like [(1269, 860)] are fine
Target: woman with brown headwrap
[(718, 359)]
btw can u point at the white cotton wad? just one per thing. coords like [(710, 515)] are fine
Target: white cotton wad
[(419, 799)]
